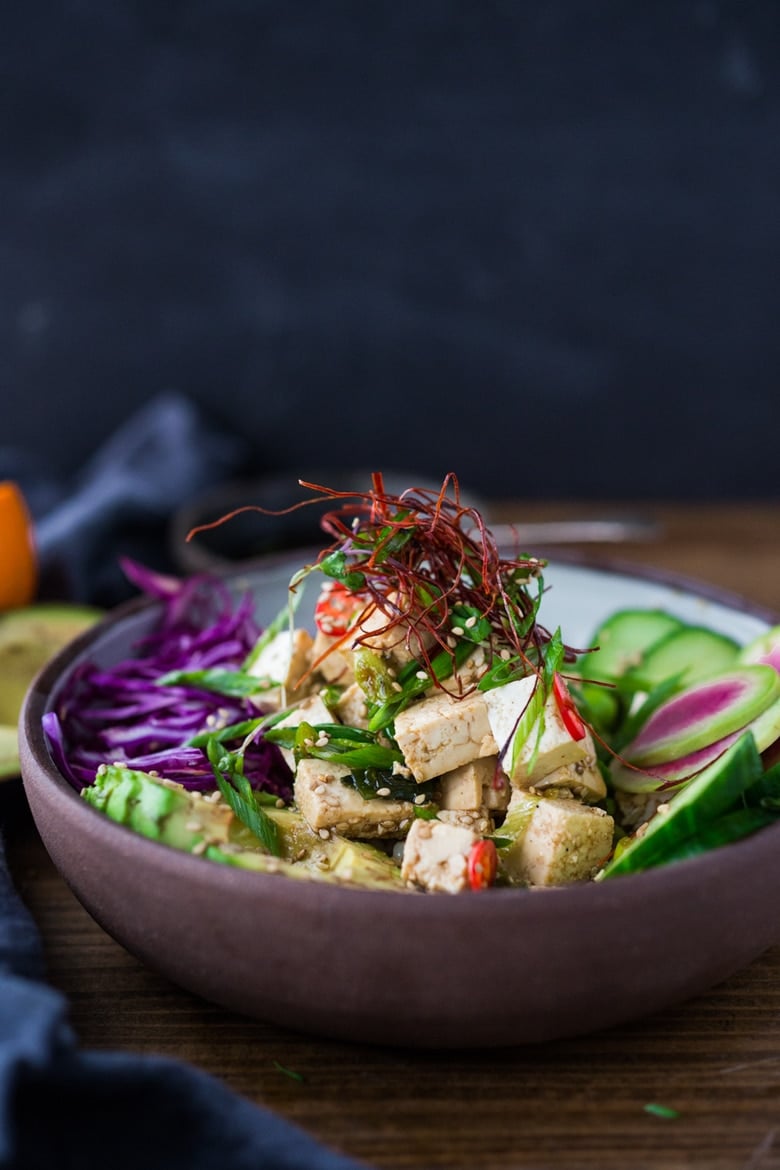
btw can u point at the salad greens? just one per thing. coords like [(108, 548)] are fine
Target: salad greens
[(429, 733)]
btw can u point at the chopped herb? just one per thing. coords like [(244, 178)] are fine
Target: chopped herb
[(289, 1072), (661, 1110), (234, 684), (240, 796), (369, 782)]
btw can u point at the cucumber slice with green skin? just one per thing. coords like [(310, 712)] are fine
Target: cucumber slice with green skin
[(764, 649), (621, 640), (710, 795), (690, 654), (703, 714)]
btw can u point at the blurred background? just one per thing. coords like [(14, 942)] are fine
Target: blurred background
[(536, 244)]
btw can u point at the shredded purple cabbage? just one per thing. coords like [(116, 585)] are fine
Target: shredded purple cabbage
[(120, 714)]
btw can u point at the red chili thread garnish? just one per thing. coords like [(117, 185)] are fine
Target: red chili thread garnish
[(419, 554)]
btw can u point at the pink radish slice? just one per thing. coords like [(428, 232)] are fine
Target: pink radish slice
[(674, 773), (764, 649), (670, 776), (703, 714)]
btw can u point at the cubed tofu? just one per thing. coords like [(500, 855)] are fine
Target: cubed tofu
[(399, 644), (440, 733), (326, 803), (497, 790), (462, 788), (310, 710), (351, 707), (280, 666), (556, 842), (556, 748), (436, 856), (583, 779), (336, 666), (477, 819)]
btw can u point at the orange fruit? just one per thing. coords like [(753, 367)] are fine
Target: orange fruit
[(18, 560)]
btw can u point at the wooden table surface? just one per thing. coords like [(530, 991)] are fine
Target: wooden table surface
[(576, 1103)]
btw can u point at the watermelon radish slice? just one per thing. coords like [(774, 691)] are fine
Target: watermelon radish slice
[(703, 714), (672, 775), (764, 649)]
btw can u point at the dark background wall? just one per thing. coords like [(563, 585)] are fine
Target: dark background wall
[(537, 244)]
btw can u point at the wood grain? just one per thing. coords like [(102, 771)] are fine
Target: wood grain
[(579, 1103)]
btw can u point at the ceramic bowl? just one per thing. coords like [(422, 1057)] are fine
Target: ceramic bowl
[(499, 967)]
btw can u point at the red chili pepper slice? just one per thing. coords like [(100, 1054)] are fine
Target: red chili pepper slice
[(572, 720), (482, 865), (335, 608)]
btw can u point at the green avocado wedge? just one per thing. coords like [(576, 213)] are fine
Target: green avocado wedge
[(29, 637)]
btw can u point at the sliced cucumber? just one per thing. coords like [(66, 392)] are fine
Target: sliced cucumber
[(688, 654), (621, 640), (710, 795)]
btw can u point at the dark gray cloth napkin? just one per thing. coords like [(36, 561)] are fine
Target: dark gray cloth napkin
[(61, 1106), (123, 498)]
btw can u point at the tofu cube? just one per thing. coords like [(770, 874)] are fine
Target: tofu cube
[(497, 790), (583, 779), (351, 707), (311, 710), (478, 820), (555, 842), (280, 666), (556, 748), (440, 733), (336, 666), (462, 788), (326, 803), (400, 644), (436, 856)]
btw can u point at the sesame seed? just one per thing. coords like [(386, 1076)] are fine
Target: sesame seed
[(422, 675), (325, 834), (319, 789), (506, 655), (471, 622), (420, 799), (383, 791), (458, 631), (451, 642), (199, 847), (397, 686)]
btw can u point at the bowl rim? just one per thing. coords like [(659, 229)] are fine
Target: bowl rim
[(560, 901)]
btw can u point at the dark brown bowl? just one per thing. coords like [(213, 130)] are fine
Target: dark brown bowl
[(492, 968)]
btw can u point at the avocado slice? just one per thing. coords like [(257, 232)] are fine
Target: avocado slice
[(168, 813), (29, 637)]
